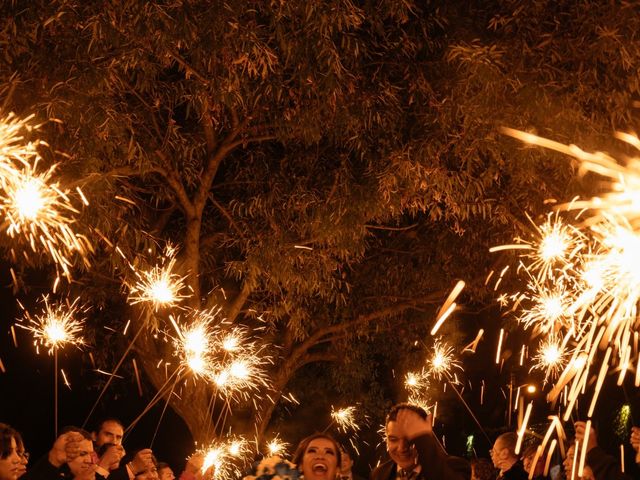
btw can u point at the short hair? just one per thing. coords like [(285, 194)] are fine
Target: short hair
[(509, 441), (162, 465), (393, 413), (304, 443), (71, 428), (101, 423), (6, 434), (483, 469)]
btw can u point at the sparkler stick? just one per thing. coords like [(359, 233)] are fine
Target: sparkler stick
[(466, 405), (115, 370), (156, 398), (55, 391)]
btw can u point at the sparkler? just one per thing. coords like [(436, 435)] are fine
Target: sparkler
[(36, 208), (159, 286), (550, 357), (344, 418), (277, 446), (442, 361), (584, 279), (55, 327), (225, 458)]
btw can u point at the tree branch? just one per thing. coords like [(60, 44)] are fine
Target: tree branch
[(176, 185), (228, 216), (241, 298)]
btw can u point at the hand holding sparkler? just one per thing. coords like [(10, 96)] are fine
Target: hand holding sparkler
[(65, 448), (142, 461), (111, 457), (635, 441)]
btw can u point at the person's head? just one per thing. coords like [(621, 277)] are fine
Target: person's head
[(110, 430), (10, 459), (82, 467), (482, 469), (528, 456), (318, 457), (503, 453), (150, 473), (346, 462), (165, 472), (398, 446), (24, 455)]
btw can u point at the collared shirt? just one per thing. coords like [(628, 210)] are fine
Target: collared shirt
[(412, 474)]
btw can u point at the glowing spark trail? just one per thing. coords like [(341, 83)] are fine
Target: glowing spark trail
[(57, 325), (159, 286), (442, 362), (36, 208), (584, 280), (344, 418)]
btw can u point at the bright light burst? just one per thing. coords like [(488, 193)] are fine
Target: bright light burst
[(36, 208), (225, 458), (550, 357), (344, 418), (159, 286), (442, 361), (222, 354), (276, 446), (584, 284), (57, 325)]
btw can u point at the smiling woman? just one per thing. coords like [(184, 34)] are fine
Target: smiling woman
[(318, 457)]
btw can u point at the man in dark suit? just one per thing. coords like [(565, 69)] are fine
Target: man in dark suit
[(415, 453)]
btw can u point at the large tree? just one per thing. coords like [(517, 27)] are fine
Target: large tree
[(327, 168)]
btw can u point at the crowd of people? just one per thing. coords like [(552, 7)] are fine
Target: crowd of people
[(413, 449)]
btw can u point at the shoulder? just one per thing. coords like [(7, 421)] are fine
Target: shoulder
[(383, 471)]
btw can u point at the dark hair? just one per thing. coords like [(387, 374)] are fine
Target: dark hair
[(393, 413), (162, 465), (102, 449), (6, 434), (304, 444), (101, 423), (483, 469)]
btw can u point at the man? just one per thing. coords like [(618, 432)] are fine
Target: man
[(108, 442), (107, 439), (504, 458), (415, 453)]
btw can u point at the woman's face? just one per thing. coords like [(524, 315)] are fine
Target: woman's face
[(10, 465), (83, 467), (24, 459), (320, 460)]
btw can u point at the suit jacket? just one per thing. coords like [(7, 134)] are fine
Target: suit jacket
[(434, 463)]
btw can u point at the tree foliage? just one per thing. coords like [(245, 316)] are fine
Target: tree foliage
[(327, 168)]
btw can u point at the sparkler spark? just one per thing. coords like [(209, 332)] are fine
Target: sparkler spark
[(584, 283), (216, 352), (36, 208), (344, 418), (550, 357), (442, 362), (277, 447), (159, 286), (57, 325), (225, 458)]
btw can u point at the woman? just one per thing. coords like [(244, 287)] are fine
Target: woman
[(10, 459), (318, 457)]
